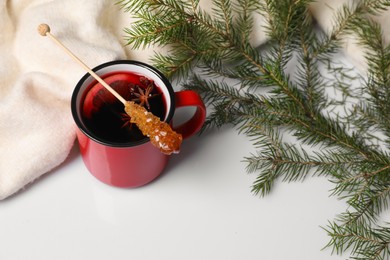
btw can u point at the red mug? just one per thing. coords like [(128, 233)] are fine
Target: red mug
[(113, 150)]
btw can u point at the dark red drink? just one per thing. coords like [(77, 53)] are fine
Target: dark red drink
[(104, 115)]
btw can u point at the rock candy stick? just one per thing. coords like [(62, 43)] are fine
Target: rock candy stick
[(160, 133)]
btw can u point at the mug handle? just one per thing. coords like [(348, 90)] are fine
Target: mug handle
[(187, 98)]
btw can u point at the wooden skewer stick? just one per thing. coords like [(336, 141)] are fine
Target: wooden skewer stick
[(44, 30)]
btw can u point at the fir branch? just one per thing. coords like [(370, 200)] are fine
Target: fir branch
[(364, 241), (265, 100)]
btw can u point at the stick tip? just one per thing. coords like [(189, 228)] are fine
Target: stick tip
[(43, 29)]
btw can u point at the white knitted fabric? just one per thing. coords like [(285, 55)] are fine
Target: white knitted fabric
[(37, 78)]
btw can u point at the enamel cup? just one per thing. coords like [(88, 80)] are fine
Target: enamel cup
[(136, 162)]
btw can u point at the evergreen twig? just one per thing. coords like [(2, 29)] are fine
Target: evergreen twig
[(268, 100)]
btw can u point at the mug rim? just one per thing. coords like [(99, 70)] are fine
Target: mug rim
[(94, 137)]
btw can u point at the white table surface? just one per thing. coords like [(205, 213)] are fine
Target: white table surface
[(200, 208)]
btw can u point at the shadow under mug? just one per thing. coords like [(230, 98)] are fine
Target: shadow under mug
[(127, 163)]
